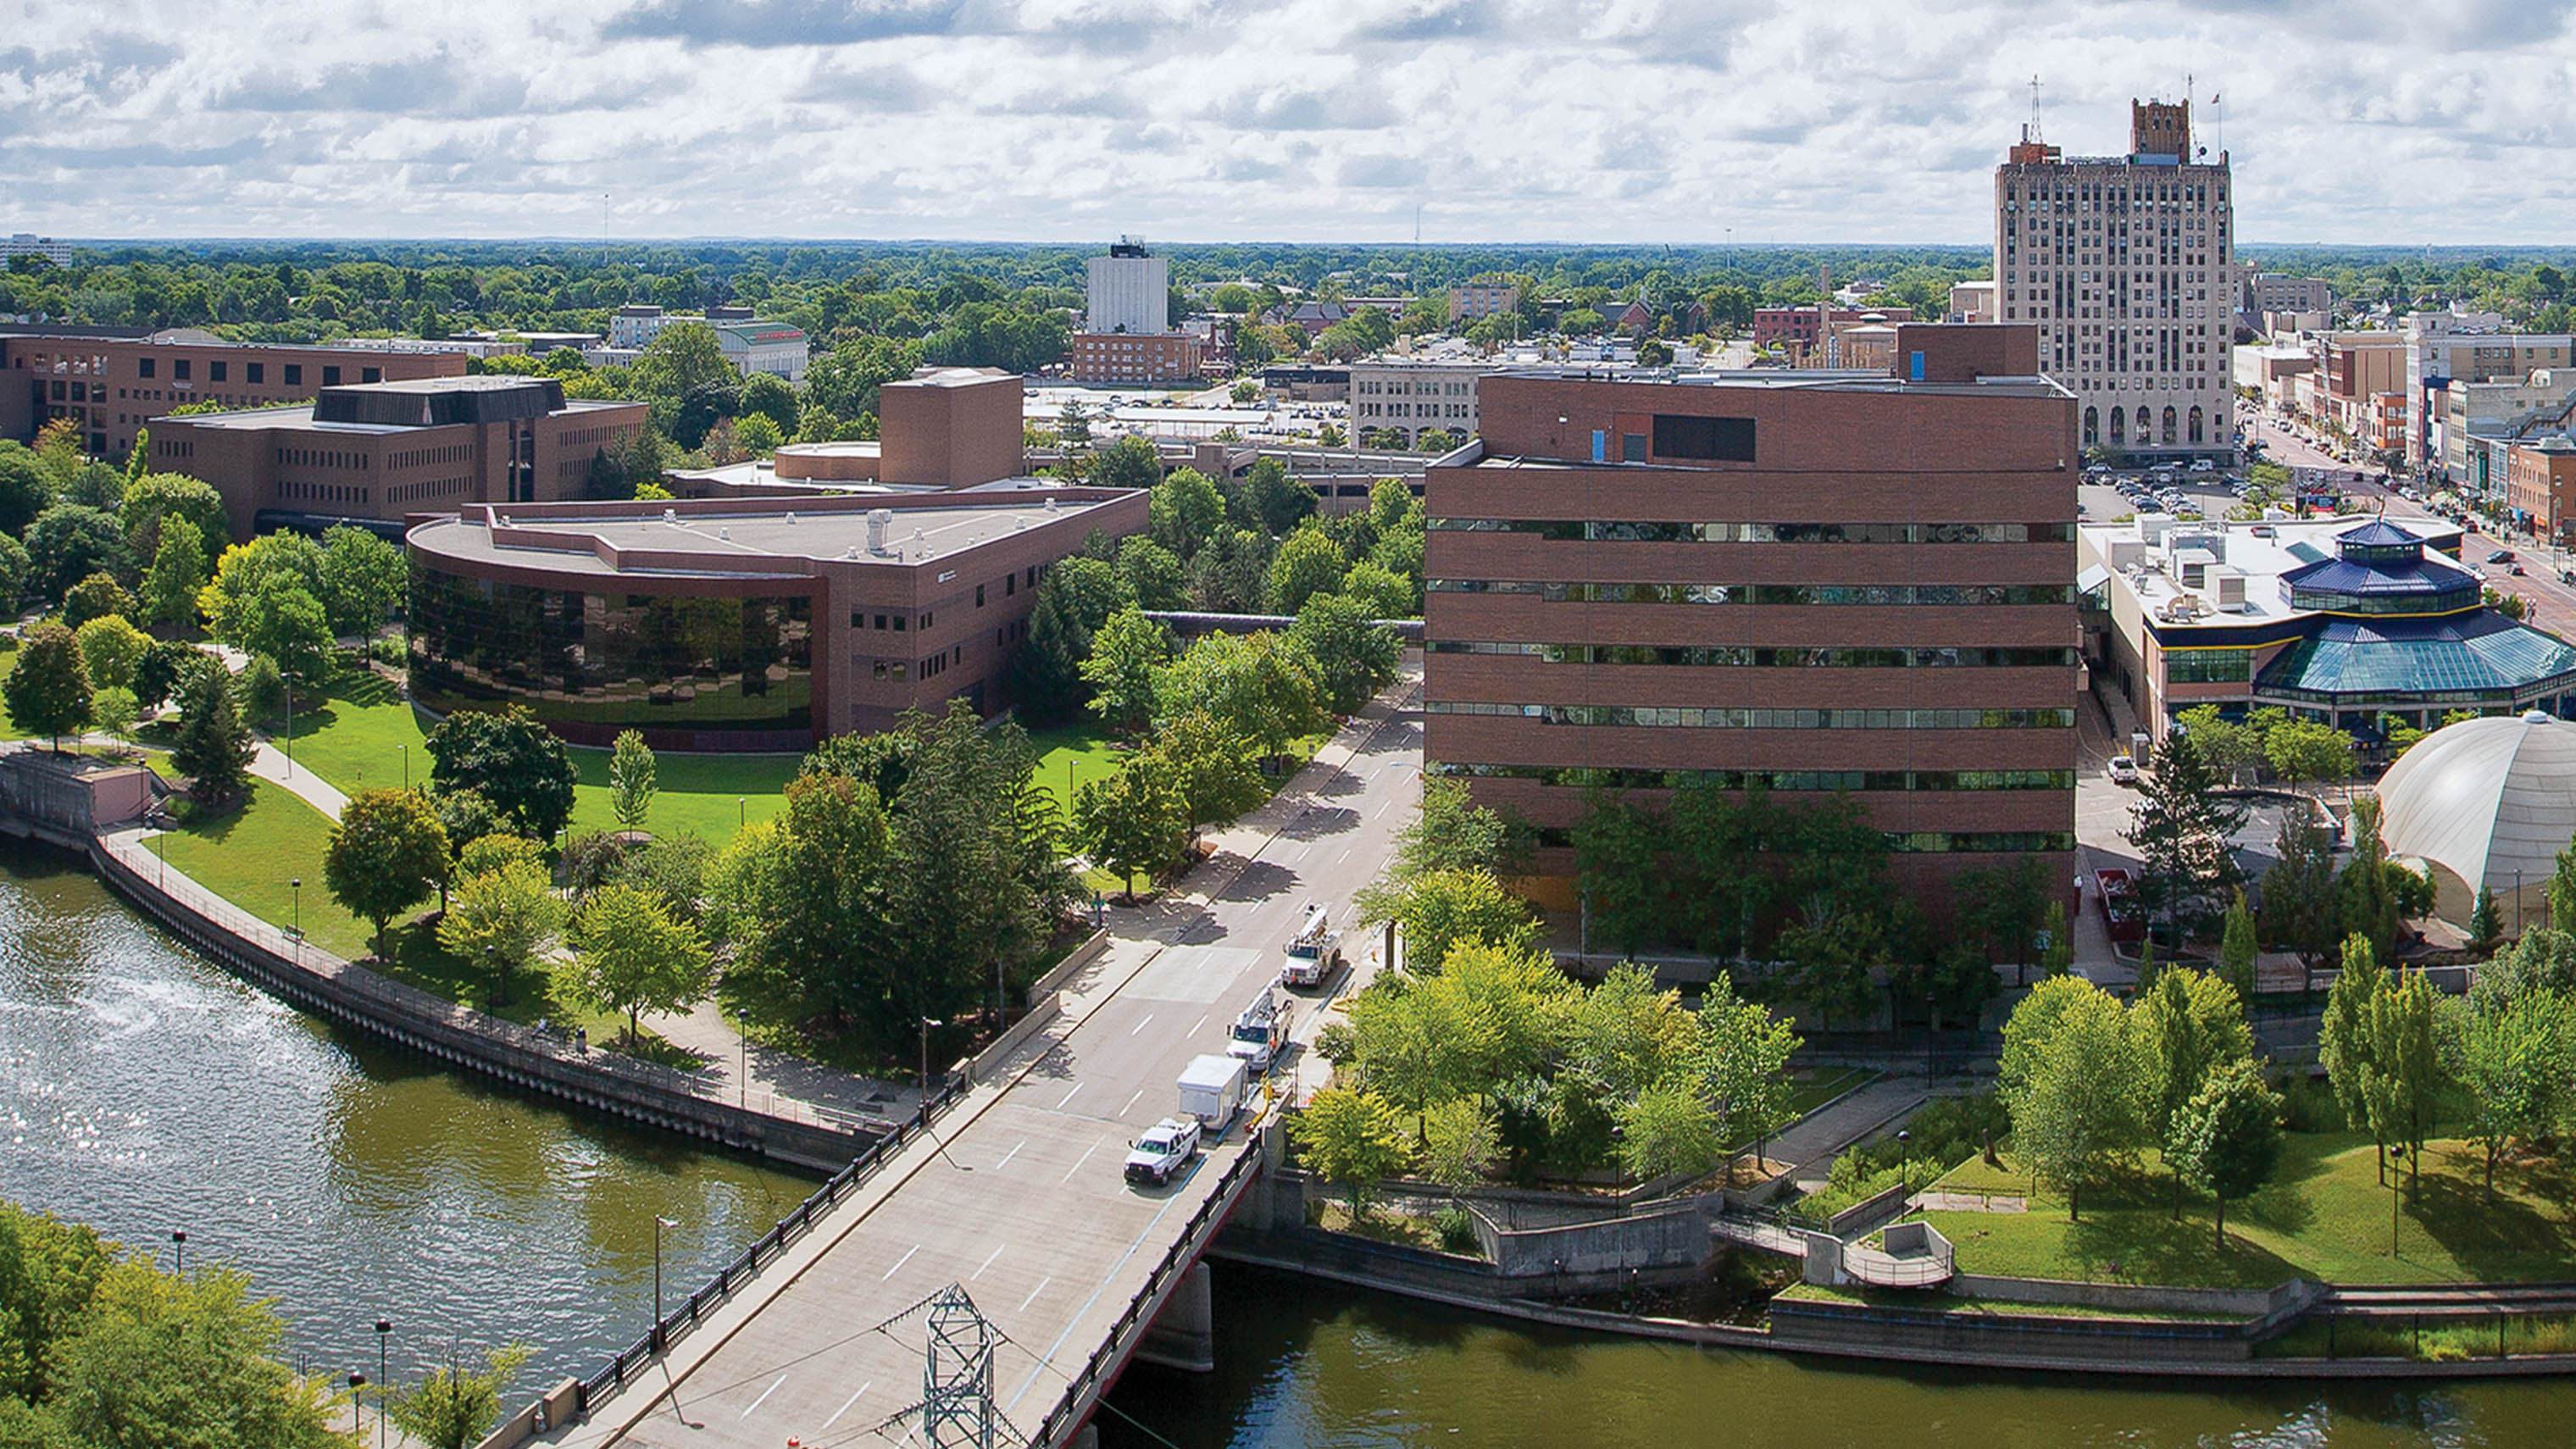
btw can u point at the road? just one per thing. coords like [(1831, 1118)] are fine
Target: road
[(1023, 1201)]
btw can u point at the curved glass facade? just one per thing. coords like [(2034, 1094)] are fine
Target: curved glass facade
[(591, 664)]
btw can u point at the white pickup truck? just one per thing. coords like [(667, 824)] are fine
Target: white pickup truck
[(1163, 1151)]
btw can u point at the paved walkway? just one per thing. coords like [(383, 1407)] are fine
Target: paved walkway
[(1811, 1143), (272, 764)]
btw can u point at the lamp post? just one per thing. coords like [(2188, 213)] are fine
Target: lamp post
[(493, 962), (357, 1381), (405, 752), (927, 1023), (179, 1251), (659, 1223), (383, 1328), (297, 930), (741, 811)]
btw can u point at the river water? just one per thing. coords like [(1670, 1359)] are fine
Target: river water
[(143, 1090)]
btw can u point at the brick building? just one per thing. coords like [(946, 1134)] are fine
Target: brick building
[(1819, 582), (375, 453), (1797, 325), (110, 381), (739, 624), (2540, 486), (1145, 359)]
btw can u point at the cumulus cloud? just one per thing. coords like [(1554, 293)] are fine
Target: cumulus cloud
[(1575, 120)]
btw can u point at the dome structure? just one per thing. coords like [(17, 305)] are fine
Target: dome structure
[(2490, 802)]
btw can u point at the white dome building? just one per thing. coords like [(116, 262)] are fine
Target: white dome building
[(2486, 802)]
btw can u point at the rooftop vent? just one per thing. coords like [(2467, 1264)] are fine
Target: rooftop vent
[(1050, 503), (791, 519), (725, 533), (671, 516), (879, 519)]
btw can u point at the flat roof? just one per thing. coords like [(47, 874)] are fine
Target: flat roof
[(735, 538), (299, 416), (2260, 552), (1776, 379)]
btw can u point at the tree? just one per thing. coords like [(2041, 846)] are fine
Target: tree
[(2344, 1042), (1253, 684), (758, 435), (2230, 746), (285, 623), (1667, 1129), (1459, 1143), (511, 760), (68, 542), (2402, 1084), (1131, 822), (2300, 907), (115, 711), (1131, 463), (24, 492), (111, 649), (2237, 949), (2185, 831), (2486, 924), (1444, 910), (1278, 500), (178, 575), (13, 572), (631, 780), (363, 579), (2072, 1076), (502, 910), (1185, 510), (1209, 769), (1127, 653), (1619, 875), (1741, 1064), (454, 1407), (95, 597), (385, 856), (2227, 1139), (2369, 902), (683, 360), (246, 568), (48, 691), (213, 747), (2562, 890), (2059, 957), (2511, 1061), (1353, 658), (1351, 1138), (1154, 577), (2191, 1025), (2301, 750), (156, 498), (1307, 564), (632, 955)]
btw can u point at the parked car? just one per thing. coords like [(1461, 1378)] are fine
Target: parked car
[(2501, 556), (2123, 770), (1163, 1151), (2122, 917)]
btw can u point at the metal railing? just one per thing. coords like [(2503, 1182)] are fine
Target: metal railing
[(734, 1276)]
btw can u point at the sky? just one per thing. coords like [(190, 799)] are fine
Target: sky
[(2348, 121)]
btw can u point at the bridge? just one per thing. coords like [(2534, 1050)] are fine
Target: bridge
[(1015, 1194)]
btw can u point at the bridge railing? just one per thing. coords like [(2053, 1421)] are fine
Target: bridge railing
[(733, 1276), (1066, 1416)]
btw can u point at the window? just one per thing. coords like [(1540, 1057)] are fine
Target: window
[(979, 596), (881, 621), (330, 377), (144, 367), (257, 371), (371, 374), (294, 374), (215, 371), (1725, 440), (926, 618), (898, 623), (1010, 585), (2209, 666), (179, 369), (1632, 447)]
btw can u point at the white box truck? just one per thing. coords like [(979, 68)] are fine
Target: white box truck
[(1211, 1089)]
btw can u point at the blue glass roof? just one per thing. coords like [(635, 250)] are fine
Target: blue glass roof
[(2394, 576), (2378, 533), (2482, 653)]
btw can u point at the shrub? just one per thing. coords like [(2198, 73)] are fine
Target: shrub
[(590, 861), (1457, 1231), (389, 650), (2308, 1105)]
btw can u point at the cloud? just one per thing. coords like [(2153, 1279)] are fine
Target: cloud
[(1579, 120)]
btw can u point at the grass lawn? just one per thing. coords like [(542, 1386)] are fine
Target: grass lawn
[(2323, 1216)]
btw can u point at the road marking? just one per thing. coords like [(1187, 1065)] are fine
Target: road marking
[(1007, 1156), (1344, 857), (899, 1262), (1140, 1026), (1382, 809), (1077, 1162), (1202, 1021), (1025, 1302), (988, 1262), (845, 1403), (1067, 1097), (1131, 1103), (764, 1398)]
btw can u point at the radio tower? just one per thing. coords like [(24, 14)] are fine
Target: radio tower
[(956, 1407)]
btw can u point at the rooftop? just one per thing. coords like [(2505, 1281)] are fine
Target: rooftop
[(785, 538), (2220, 575)]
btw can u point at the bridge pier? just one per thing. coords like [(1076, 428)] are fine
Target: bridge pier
[(1184, 1333)]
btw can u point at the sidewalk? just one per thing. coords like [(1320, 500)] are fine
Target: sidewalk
[(1810, 1144)]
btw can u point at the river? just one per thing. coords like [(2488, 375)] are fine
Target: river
[(143, 1090)]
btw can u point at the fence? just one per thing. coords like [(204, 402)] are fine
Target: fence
[(731, 1278)]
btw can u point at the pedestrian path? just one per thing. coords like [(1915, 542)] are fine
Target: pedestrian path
[(1810, 1144)]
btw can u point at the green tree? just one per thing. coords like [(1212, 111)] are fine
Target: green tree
[(757, 435), (385, 856), (631, 954), (2302, 750), (362, 579), (2402, 1086), (511, 760), (2227, 1139), (1353, 658), (159, 1359), (1666, 1129), (682, 360), (24, 492), (213, 747), (454, 1407), (1131, 463), (1619, 872), (152, 501), (2230, 746), (111, 649), (115, 711), (2059, 957), (2344, 1043), (1209, 769), (95, 597), (2190, 1024), (1154, 577), (2486, 924), (1127, 654), (1307, 564), (2369, 901), (178, 575), (1185, 510), (2510, 1058), (1443, 910), (2301, 908), (1459, 1143), (501, 910), (1254, 684), (285, 623), (2073, 1077), (48, 690), (1742, 1065), (1278, 500), (2185, 831), (632, 780), (2237, 949), (68, 543), (1351, 1138), (1132, 822), (798, 901), (244, 569)]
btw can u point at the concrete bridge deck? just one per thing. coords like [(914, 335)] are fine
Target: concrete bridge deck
[(1017, 1194)]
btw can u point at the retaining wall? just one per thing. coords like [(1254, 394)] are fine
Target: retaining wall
[(1675, 1237), (523, 1057)]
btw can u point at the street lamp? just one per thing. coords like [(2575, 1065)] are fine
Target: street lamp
[(741, 811), (493, 962), (297, 931), (927, 1023), (659, 1223), (357, 1381), (405, 752), (179, 1251), (383, 1328)]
